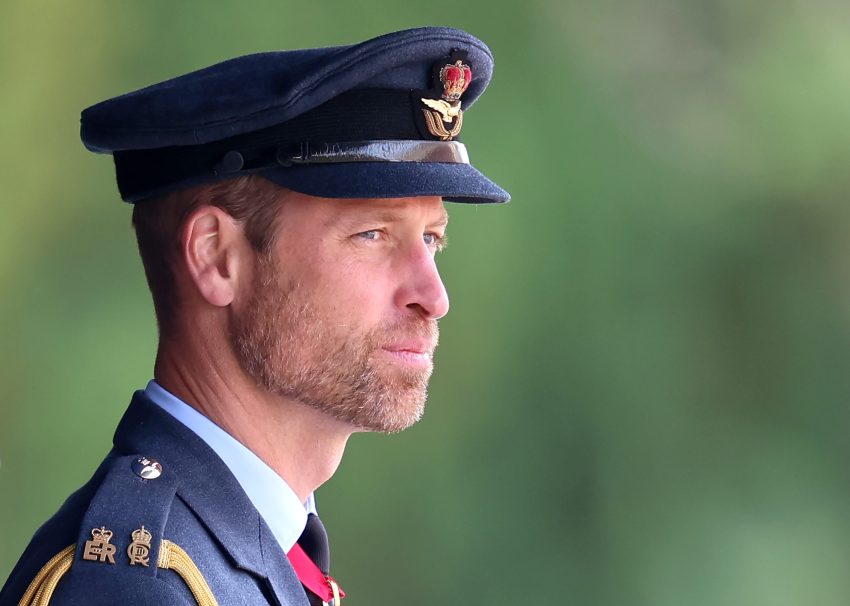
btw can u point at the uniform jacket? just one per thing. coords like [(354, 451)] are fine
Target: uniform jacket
[(196, 504)]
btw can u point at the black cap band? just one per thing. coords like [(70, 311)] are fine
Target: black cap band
[(361, 125), (236, 161)]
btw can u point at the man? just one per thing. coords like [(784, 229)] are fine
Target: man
[(288, 207)]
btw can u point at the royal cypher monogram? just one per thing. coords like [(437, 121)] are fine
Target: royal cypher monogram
[(140, 549), (98, 549)]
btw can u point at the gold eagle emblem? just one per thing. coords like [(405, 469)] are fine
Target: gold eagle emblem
[(446, 110)]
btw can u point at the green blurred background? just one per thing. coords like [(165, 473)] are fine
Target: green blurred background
[(641, 392)]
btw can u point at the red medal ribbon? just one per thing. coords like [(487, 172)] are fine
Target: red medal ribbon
[(310, 576)]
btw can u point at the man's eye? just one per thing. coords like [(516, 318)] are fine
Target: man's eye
[(372, 234), (434, 240)]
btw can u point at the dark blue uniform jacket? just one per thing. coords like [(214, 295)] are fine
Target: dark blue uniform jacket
[(196, 504)]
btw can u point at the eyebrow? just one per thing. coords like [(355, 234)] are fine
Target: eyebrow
[(389, 216), (443, 220)]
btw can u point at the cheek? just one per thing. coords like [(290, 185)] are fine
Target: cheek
[(350, 286), (360, 292)]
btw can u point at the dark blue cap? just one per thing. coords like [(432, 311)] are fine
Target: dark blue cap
[(379, 119)]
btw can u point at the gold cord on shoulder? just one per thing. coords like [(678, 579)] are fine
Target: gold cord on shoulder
[(172, 557), (44, 584)]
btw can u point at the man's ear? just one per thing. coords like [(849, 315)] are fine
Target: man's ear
[(214, 251)]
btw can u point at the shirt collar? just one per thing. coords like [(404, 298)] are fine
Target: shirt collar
[(276, 502)]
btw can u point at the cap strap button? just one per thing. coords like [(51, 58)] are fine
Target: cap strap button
[(232, 162)]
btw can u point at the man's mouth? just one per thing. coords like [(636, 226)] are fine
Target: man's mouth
[(417, 352)]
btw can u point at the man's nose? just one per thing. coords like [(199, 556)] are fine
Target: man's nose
[(421, 288)]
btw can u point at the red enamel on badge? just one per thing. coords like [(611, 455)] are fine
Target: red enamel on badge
[(455, 78)]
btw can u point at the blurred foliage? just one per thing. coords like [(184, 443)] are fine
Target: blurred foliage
[(641, 393)]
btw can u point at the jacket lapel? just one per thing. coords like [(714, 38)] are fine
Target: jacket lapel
[(281, 577)]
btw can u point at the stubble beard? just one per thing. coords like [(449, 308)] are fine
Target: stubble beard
[(289, 348)]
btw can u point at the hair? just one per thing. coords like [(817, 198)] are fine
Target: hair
[(253, 201)]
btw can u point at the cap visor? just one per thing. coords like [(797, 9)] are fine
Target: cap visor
[(454, 182)]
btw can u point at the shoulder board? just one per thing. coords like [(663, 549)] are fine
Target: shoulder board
[(121, 536)]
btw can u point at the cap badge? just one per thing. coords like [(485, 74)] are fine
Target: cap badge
[(99, 549), (455, 78), (444, 117), (140, 549)]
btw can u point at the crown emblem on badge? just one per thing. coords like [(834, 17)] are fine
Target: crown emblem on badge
[(455, 78), (101, 534), (444, 118), (141, 535)]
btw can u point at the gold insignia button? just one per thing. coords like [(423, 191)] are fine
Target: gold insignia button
[(140, 549), (146, 468), (99, 549)]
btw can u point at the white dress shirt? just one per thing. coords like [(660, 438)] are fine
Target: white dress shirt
[(285, 515)]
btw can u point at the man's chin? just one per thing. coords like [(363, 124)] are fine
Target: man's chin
[(389, 403), (404, 372), (387, 426), (391, 413)]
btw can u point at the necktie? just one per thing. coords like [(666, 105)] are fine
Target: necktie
[(314, 542)]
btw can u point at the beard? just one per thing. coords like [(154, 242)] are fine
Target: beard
[(290, 348)]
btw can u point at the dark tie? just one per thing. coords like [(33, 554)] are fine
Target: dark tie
[(314, 542)]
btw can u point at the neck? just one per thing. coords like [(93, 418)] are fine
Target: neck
[(300, 443)]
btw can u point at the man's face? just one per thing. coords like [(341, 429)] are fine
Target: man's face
[(343, 311)]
